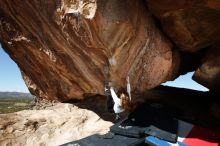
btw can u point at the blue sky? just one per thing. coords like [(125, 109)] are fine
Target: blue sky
[(185, 81), (10, 75), (11, 80)]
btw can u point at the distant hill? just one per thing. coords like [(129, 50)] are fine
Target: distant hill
[(15, 95)]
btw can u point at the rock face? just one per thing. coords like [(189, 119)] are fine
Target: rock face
[(54, 125), (191, 24), (208, 74), (68, 48), (194, 25)]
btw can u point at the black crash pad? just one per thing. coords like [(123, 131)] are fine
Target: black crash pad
[(149, 119), (109, 139)]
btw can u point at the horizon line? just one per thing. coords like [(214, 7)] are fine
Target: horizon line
[(16, 91)]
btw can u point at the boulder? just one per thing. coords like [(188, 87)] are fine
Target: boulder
[(54, 125), (208, 73), (66, 49), (191, 24)]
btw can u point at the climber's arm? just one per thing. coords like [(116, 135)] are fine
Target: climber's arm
[(115, 97)]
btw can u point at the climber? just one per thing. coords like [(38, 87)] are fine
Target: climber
[(121, 99), (110, 102)]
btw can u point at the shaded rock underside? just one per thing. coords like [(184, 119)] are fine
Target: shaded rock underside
[(66, 49)]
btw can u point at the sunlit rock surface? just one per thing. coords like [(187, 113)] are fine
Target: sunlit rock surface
[(52, 126)]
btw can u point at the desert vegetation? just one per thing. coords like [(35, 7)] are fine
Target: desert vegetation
[(14, 104)]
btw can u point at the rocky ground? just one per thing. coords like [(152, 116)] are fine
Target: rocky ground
[(55, 124)]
